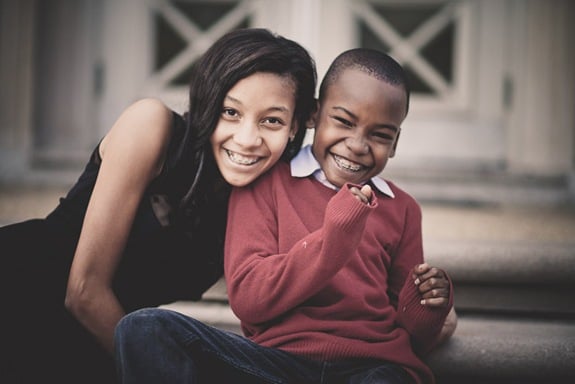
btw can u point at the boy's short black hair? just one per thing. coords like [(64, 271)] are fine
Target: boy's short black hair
[(370, 61)]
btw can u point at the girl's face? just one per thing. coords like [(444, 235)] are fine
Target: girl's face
[(256, 123), (357, 127)]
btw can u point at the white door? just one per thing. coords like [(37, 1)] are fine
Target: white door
[(452, 50), (453, 53)]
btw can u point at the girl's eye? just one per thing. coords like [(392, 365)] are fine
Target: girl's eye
[(229, 112), (273, 123), (272, 120)]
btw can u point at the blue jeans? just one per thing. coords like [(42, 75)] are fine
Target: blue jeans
[(162, 346)]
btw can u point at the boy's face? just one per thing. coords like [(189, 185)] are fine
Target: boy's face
[(357, 127)]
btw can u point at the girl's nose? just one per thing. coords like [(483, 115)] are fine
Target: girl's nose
[(248, 135)]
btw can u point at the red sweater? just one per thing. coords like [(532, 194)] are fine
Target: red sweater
[(317, 273)]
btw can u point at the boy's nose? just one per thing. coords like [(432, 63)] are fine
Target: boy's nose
[(357, 144)]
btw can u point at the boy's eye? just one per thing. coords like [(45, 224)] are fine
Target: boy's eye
[(343, 121), (383, 136)]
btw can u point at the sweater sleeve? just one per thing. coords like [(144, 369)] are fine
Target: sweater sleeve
[(264, 283), (409, 250), (423, 322)]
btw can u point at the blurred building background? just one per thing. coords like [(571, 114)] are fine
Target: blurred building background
[(492, 114), (488, 147)]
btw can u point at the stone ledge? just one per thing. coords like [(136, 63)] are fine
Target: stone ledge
[(215, 313), (484, 349), (509, 262), (535, 301), (502, 265), (509, 350)]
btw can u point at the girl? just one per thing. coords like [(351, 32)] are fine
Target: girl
[(144, 224)]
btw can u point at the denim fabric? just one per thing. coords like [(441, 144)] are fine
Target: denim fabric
[(162, 346)]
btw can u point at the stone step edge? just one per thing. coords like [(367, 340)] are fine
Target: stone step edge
[(485, 346), (507, 262), (490, 346)]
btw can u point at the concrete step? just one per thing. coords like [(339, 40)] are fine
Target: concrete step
[(484, 349), (506, 277), (526, 277), (515, 307), (498, 349), (512, 266), (509, 262), (432, 184)]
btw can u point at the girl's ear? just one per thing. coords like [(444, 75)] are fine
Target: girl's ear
[(293, 132)]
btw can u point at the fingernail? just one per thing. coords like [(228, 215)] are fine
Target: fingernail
[(422, 302), (417, 281)]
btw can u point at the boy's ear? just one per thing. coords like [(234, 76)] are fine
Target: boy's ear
[(310, 123), (392, 154)]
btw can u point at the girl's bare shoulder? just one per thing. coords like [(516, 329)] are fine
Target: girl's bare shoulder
[(145, 119)]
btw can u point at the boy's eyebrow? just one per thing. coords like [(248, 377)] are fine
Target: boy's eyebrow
[(279, 108), (388, 126)]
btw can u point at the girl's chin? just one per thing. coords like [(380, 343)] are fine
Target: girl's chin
[(240, 179)]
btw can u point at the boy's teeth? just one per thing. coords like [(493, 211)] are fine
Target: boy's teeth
[(346, 164), (244, 160)]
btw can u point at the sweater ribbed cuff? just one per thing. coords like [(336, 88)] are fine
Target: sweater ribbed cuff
[(346, 212), (423, 322)]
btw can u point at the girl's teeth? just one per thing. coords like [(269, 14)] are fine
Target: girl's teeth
[(244, 160)]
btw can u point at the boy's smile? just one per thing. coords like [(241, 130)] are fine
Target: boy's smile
[(347, 165), (357, 127)]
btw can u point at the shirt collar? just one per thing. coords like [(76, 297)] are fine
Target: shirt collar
[(305, 164)]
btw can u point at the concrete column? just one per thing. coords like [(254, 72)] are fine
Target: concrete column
[(541, 99), (126, 58), (16, 76), (65, 85)]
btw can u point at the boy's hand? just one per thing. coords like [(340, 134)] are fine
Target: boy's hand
[(432, 284), (363, 195)]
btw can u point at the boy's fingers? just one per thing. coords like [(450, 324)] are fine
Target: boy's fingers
[(431, 272), (435, 302), (355, 192), (417, 271), (360, 195), (433, 283), (435, 293), (366, 190)]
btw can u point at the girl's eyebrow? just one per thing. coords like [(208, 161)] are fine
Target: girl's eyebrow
[(353, 116), (233, 99), (279, 108)]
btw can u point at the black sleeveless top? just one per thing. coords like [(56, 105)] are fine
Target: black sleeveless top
[(168, 257)]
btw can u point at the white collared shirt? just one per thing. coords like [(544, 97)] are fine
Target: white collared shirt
[(305, 164)]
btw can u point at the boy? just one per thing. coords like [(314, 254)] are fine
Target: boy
[(327, 276)]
